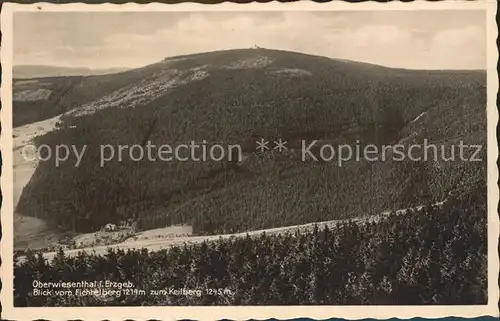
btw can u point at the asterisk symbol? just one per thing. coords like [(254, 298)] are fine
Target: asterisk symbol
[(280, 145), (262, 145)]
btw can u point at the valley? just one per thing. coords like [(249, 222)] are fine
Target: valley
[(289, 161), (239, 97)]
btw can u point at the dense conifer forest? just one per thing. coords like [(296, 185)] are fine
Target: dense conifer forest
[(436, 255)]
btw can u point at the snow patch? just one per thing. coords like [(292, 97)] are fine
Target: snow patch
[(254, 62), (144, 91), (418, 117), (32, 95), (292, 72)]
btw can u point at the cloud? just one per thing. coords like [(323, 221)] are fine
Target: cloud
[(457, 48), (397, 39), (391, 46)]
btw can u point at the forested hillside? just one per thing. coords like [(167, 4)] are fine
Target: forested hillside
[(436, 255), (234, 97)]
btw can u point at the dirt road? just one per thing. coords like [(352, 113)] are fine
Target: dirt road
[(163, 243)]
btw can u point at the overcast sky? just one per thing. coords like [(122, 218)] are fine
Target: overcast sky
[(416, 40)]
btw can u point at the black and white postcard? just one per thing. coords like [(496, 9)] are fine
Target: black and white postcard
[(249, 161)]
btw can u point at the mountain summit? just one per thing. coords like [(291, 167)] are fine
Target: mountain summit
[(239, 97)]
